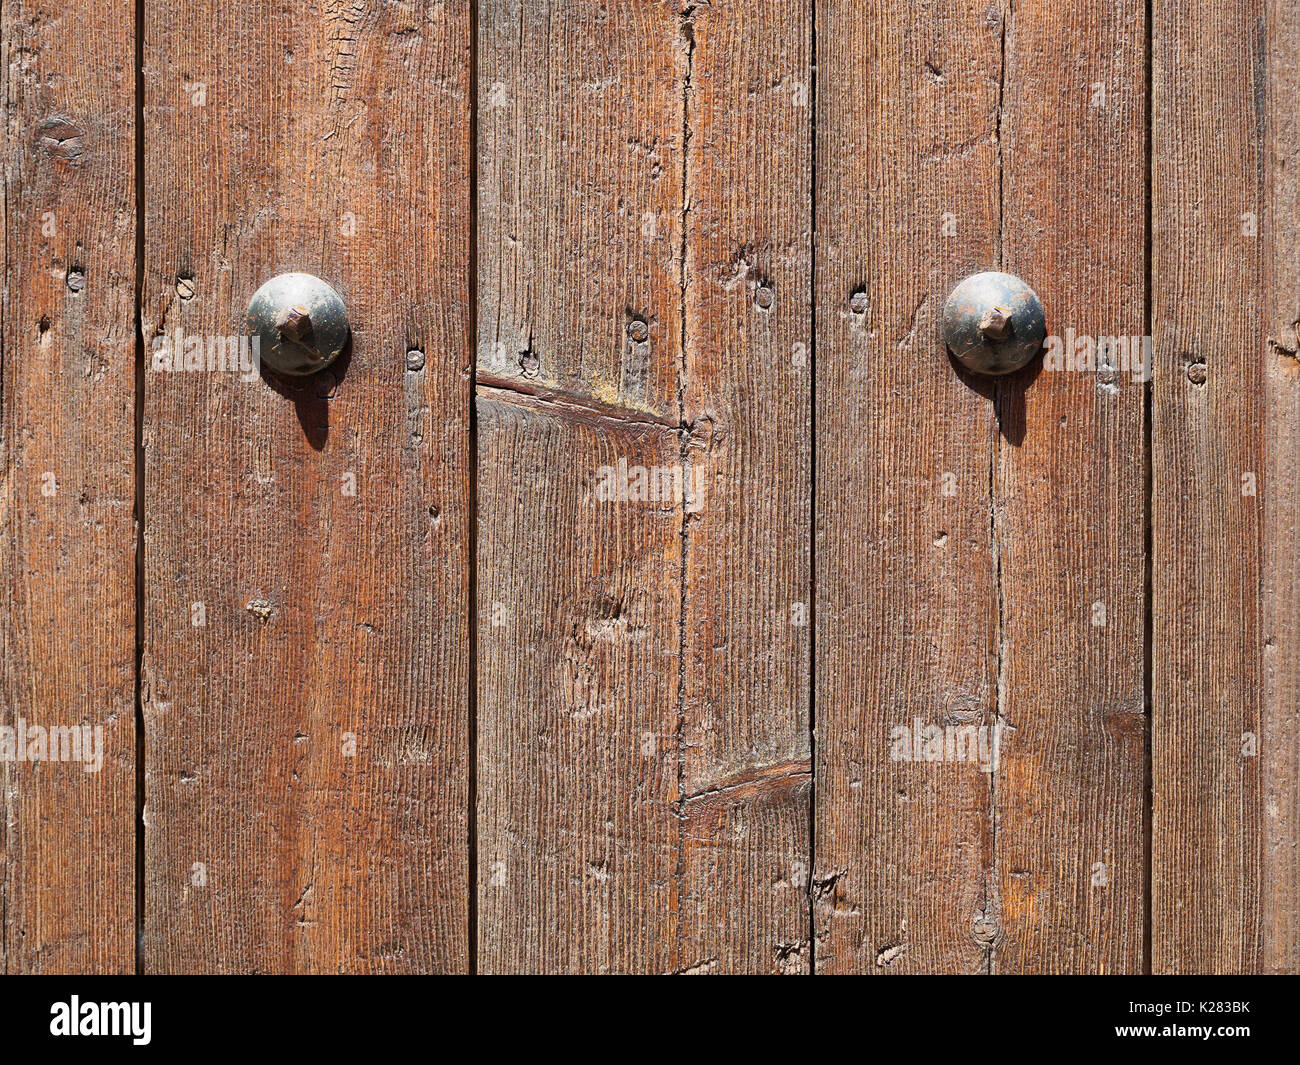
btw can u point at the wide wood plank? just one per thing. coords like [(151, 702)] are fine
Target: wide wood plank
[(1209, 486), (907, 180), (967, 527), (67, 531), (626, 276), (306, 554), (1069, 491)]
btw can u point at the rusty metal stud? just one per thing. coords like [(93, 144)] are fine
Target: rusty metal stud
[(993, 323), (300, 323)]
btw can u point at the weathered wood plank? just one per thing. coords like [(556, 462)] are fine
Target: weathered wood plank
[(907, 180), (580, 181), (67, 532), (579, 643), (306, 554), (579, 598), (747, 394), (626, 275), (1069, 495), (1208, 469), (1280, 729), (965, 533)]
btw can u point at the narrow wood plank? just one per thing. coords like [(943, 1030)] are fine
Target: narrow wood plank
[(1069, 496), (747, 394), (1209, 469), (67, 532), (307, 543), (907, 180), (1279, 751), (579, 598), (627, 277)]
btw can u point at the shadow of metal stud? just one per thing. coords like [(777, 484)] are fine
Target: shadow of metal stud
[(993, 323), (300, 323)]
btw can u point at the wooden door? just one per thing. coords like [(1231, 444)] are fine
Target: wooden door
[(645, 589)]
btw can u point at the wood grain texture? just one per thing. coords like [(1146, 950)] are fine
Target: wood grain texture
[(580, 180), (967, 527), (1069, 499), (67, 533), (1280, 729), (747, 395), (626, 275), (669, 285), (1209, 325), (579, 643), (907, 180), (307, 770), (579, 598)]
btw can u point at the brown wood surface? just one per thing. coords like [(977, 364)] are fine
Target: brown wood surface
[(610, 141), (67, 532), (967, 527), (333, 140), (579, 601), (1280, 729), (1209, 324), (747, 404), (579, 608), (413, 695), (906, 607), (1069, 498)]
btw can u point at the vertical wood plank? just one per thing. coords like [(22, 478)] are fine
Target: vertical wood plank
[(628, 281), (580, 181), (1279, 749), (907, 180), (1209, 486), (306, 543), (747, 395), (967, 527), (579, 608), (579, 597), (67, 533), (1069, 496)]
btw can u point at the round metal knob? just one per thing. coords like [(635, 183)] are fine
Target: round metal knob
[(300, 323), (993, 323)]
